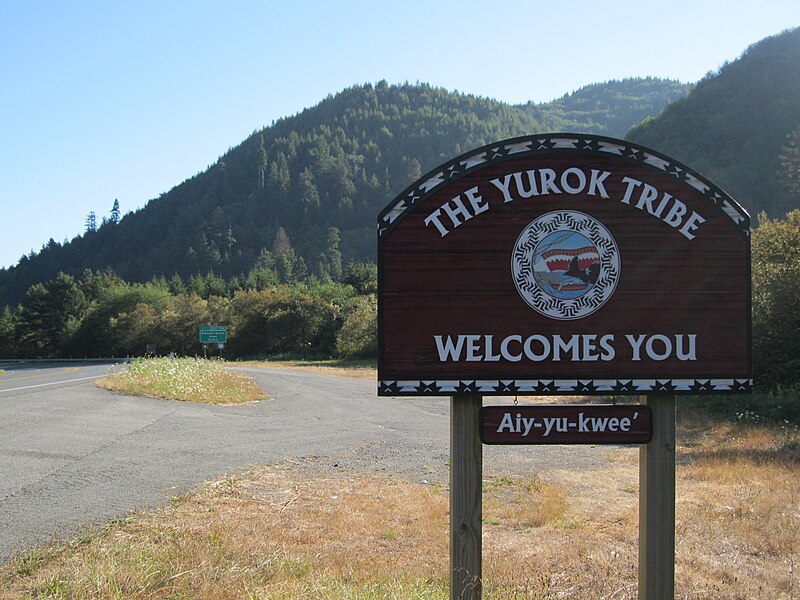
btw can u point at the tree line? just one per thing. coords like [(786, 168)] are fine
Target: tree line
[(270, 310), (278, 308)]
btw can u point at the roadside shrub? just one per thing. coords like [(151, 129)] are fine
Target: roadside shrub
[(776, 295), (358, 337), (282, 320)]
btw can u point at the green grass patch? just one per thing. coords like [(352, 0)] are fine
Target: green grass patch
[(187, 379)]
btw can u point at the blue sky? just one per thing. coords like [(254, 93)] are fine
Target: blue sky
[(103, 100)]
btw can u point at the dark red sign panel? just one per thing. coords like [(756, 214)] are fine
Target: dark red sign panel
[(563, 264), (586, 424)]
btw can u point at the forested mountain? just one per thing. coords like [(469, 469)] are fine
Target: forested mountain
[(610, 108), (305, 191), (736, 126)]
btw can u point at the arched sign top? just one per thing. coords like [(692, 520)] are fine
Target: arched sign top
[(557, 143), (563, 264)]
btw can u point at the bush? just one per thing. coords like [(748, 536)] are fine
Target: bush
[(776, 296), (358, 337), (282, 320)]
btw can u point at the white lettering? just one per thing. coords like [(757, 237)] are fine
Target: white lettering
[(560, 345), (528, 348), (447, 350), (528, 422), (660, 347), (596, 182), (581, 180), (636, 344), (675, 215), (692, 223), (458, 210), (475, 201), (608, 350), (649, 193), (548, 179), (531, 191), (572, 180), (589, 348), (632, 183), (473, 348), (434, 218), (651, 352), (504, 348), (583, 423), (506, 422), (689, 353), (662, 205), (489, 356), (503, 187)]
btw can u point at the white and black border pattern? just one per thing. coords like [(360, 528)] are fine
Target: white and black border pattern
[(550, 143), (582, 387)]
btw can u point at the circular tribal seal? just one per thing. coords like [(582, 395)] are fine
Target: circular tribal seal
[(565, 265)]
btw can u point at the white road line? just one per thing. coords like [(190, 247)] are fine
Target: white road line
[(51, 383)]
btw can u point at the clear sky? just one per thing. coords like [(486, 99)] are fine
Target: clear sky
[(126, 99)]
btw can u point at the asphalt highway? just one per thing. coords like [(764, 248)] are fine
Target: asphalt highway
[(74, 456)]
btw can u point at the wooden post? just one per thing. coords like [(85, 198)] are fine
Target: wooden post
[(466, 477), (657, 503)]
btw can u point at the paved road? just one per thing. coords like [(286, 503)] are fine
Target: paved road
[(73, 455)]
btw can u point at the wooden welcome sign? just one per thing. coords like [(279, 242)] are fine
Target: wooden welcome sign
[(563, 264)]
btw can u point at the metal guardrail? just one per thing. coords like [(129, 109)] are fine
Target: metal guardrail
[(65, 360)]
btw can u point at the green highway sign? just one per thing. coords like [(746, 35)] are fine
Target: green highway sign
[(213, 334)]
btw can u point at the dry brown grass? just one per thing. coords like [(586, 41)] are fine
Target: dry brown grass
[(271, 534), (738, 524), (336, 368), (282, 532)]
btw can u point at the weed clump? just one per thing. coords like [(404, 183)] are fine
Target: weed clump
[(187, 379)]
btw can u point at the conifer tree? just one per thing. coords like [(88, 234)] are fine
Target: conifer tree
[(115, 214), (91, 221), (7, 333)]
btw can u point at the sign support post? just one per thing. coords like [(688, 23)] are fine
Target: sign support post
[(466, 478), (657, 503)]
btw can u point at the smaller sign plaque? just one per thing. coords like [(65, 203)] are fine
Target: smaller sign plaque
[(213, 334), (574, 424)]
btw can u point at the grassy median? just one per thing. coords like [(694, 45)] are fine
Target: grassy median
[(187, 379)]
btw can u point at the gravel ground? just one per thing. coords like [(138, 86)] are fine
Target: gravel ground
[(75, 456)]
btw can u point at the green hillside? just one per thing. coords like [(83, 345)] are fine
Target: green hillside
[(733, 126), (321, 177), (610, 108)]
